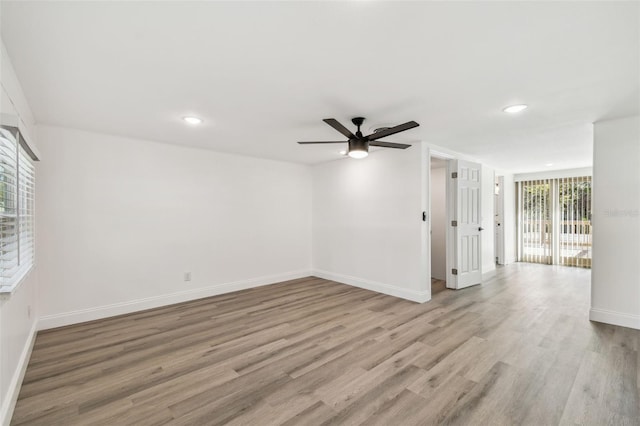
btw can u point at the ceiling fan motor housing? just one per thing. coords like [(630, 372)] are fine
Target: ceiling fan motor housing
[(358, 145)]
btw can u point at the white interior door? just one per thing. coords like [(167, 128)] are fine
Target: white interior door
[(466, 226)]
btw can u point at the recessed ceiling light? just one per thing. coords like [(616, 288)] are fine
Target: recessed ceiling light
[(549, 164), (192, 120), (512, 109)]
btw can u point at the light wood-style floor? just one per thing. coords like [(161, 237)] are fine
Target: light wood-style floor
[(516, 350)]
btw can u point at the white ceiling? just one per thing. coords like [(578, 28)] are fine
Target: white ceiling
[(262, 75)]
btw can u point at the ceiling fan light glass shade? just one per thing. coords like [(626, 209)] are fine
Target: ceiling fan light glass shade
[(358, 148), (358, 154)]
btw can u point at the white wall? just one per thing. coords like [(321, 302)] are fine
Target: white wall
[(506, 208), (18, 320), (17, 102), (615, 280), (487, 193), (120, 221), (18, 312), (509, 219), (367, 226), (438, 223)]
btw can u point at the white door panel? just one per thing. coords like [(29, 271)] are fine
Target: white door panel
[(467, 232)]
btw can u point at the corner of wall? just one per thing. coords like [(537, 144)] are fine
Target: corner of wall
[(390, 290), (11, 397), (17, 343), (614, 318), (615, 294), (99, 312)]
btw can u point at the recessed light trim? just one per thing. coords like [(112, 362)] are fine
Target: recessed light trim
[(513, 109), (192, 120)]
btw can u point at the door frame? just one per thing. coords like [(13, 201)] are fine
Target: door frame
[(449, 256), (499, 219)]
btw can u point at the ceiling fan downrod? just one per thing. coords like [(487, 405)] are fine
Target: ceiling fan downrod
[(358, 122)]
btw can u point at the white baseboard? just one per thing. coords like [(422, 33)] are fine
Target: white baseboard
[(105, 311), (615, 318), (391, 290), (488, 275), (9, 401)]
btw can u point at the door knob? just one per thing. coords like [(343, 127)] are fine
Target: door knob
[(481, 229)]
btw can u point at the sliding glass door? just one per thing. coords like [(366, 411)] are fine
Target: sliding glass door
[(554, 221), (575, 216), (535, 221)]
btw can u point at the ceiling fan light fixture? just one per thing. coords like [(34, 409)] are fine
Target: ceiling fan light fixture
[(358, 154), (358, 148)]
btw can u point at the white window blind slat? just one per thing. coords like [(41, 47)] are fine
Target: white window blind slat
[(17, 209)]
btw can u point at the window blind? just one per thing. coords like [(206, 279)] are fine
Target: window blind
[(575, 216), (554, 221), (17, 208), (26, 208), (8, 208), (535, 231)]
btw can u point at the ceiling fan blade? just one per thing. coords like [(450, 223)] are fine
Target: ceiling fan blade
[(390, 145), (339, 127), (304, 143), (393, 130)]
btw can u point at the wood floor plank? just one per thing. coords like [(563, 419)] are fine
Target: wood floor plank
[(518, 349), (314, 415)]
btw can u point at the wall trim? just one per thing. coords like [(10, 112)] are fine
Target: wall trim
[(615, 318), (105, 311), (391, 290), (9, 403)]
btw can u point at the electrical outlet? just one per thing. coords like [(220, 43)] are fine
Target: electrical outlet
[(187, 276)]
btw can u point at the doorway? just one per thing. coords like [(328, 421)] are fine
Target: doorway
[(438, 222), (498, 208)]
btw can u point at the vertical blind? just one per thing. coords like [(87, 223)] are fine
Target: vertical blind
[(575, 221), (17, 209), (535, 224), (555, 221)]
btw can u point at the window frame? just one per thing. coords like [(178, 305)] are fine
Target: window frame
[(22, 152)]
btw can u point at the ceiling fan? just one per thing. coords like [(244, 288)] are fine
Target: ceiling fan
[(359, 144)]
